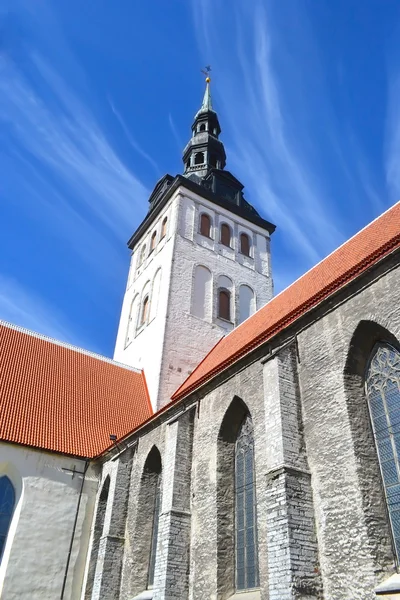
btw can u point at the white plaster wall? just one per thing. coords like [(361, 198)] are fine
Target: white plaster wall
[(36, 552), (144, 351), (171, 345)]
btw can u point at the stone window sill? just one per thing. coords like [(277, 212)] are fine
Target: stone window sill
[(246, 595), (146, 595)]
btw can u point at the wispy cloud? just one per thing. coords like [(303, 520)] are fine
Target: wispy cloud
[(63, 135), (179, 143), (393, 135), (23, 307), (277, 116)]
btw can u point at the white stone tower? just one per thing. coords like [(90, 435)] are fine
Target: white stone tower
[(200, 265)]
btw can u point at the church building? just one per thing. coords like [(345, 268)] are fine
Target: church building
[(239, 445)]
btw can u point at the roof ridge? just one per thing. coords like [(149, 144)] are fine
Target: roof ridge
[(67, 345)]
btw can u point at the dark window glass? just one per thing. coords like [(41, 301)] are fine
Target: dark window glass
[(246, 546), (154, 535), (199, 158), (164, 227), (224, 305), (225, 235), (244, 244), (205, 225), (7, 501), (383, 393)]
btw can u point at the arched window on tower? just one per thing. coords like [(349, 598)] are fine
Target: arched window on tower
[(245, 509), (164, 227), (382, 384), (7, 503), (142, 255), (202, 127), (205, 225), (246, 303), (153, 241), (132, 323), (225, 235), (202, 293), (224, 304), (199, 158), (244, 244), (145, 310)]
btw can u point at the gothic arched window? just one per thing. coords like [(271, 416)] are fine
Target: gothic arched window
[(244, 244), (152, 477), (224, 305), (7, 502), (245, 509), (199, 158), (164, 228), (225, 235), (205, 225), (383, 394), (97, 533)]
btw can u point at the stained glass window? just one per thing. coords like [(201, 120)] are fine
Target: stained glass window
[(154, 535), (7, 501), (383, 392), (245, 495)]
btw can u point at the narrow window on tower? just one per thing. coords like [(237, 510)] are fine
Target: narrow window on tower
[(7, 502), (224, 305), (225, 235), (153, 241), (205, 225), (145, 310), (202, 127), (164, 228), (244, 244), (382, 385), (247, 576), (142, 255)]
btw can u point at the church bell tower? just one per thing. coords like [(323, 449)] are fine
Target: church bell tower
[(200, 265)]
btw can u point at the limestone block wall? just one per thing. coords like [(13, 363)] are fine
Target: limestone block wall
[(351, 517), (34, 563)]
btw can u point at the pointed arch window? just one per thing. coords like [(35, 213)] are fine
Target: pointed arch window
[(382, 384), (225, 235), (154, 533), (164, 228), (246, 551), (205, 225), (244, 244), (224, 304), (145, 310), (7, 503)]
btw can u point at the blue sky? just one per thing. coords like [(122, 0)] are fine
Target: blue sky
[(96, 103)]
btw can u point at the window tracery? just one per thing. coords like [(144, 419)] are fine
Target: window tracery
[(383, 394), (246, 551)]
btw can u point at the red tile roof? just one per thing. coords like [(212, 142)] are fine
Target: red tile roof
[(59, 398), (367, 247)]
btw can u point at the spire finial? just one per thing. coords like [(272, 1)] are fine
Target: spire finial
[(206, 105)]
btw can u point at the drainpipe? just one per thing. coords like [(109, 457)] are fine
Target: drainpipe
[(83, 473)]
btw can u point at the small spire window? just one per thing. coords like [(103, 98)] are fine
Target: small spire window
[(205, 225), (244, 244), (224, 305), (225, 235), (164, 228), (153, 241), (202, 127), (199, 158)]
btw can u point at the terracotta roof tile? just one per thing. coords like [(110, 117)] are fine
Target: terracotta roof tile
[(359, 253), (59, 398)]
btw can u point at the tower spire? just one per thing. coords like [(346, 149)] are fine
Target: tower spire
[(204, 150)]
